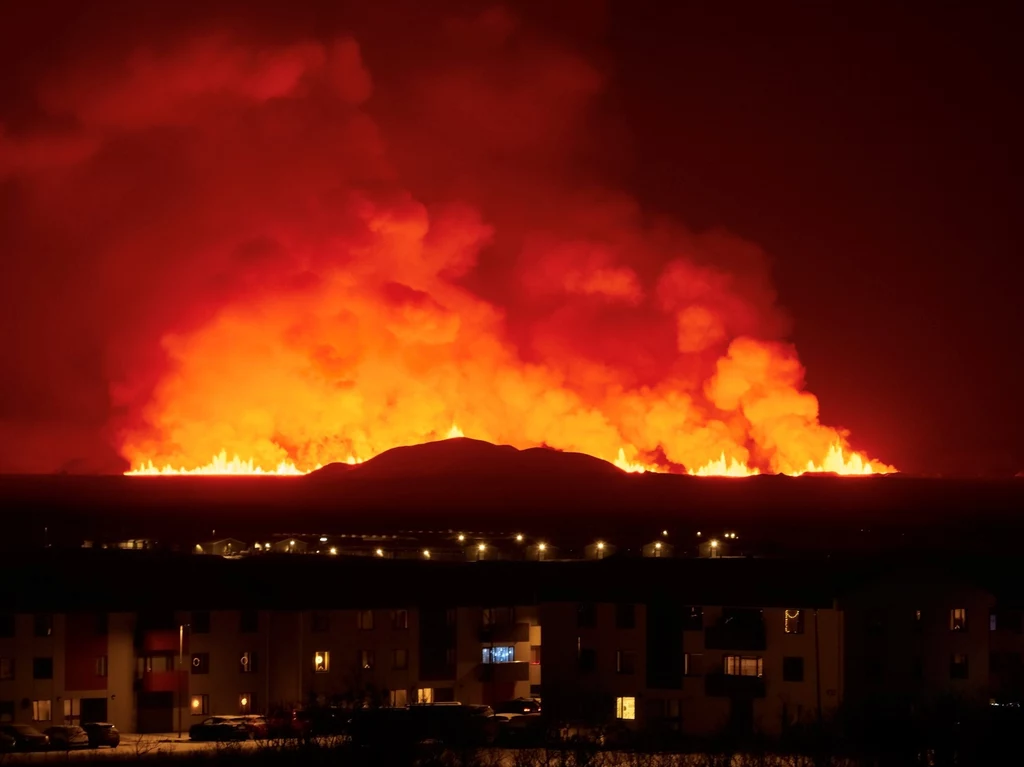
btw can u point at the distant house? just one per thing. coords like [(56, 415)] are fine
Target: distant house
[(599, 550), (225, 547), (290, 546), (658, 549)]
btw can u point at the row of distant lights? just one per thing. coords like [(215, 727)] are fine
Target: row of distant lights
[(481, 547)]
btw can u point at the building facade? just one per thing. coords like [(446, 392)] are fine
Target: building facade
[(694, 647)]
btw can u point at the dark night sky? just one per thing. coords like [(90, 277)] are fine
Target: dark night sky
[(872, 152)]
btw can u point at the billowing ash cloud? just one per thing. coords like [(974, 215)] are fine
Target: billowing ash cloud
[(318, 243)]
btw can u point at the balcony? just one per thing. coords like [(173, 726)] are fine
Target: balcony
[(729, 685), (504, 673), (505, 633), (737, 630), (157, 642), (162, 681)]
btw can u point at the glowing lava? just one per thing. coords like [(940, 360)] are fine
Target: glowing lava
[(632, 467), (219, 465), (723, 468), (836, 462)]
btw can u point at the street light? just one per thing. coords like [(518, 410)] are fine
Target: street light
[(426, 553), (380, 552), (333, 550), (519, 538), (462, 538)]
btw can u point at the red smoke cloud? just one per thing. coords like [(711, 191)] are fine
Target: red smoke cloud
[(268, 248)]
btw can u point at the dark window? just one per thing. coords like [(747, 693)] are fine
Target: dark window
[(625, 616), (535, 654), (43, 625), (400, 660), (449, 656), (42, 668), (321, 623), (918, 623), (586, 615), (875, 622), (364, 620), (693, 664), (793, 669), (102, 624), (497, 616), (874, 670), (249, 621), (444, 695), (366, 659), (6, 710), (6, 626), (201, 663), (200, 622), (6, 669), (588, 659), (917, 668), (693, 618), (958, 666), (450, 616), (247, 662), (399, 619), (794, 622), (101, 666), (625, 662)]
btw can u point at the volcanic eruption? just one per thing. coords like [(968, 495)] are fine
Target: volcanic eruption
[(325, 251)]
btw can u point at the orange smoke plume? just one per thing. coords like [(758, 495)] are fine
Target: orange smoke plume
[(333, 263)]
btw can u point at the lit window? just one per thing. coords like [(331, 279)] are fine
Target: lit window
[(6, 669), (101, 666), (399, 698), (72, 710), (41, 711), (958, 619), (399, 619), (499, 654), (246, 663), (364, 620), (742, 665), (200, 705), (625, 708), (425, 695), (794, 622), (321, 661), (245, 703), (366, 659), (400, 660)]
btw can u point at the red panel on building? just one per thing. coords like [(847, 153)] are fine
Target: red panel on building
[(163, 681), (159, 642), (85, 652)]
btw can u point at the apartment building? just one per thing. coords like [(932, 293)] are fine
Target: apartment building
[(688, 646)]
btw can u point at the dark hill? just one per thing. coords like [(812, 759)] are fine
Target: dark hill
[(463, 457)]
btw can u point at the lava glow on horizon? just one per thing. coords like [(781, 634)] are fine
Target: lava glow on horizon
[(836, 462)]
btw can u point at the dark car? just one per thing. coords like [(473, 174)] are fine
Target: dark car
[(518, 706), (26, 738), (221, 728), (67, 737), (102, 734), (6, 743)]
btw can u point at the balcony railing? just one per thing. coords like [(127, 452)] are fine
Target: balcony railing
[(156, 642), (729, 636), (162, 681), (505, 632), (504, 672), (719, 685)]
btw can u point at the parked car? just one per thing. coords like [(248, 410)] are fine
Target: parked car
[(518, 706), (7, 743), (26, 738), (257, 724), (102, 734), (67, 737), (221, 728)]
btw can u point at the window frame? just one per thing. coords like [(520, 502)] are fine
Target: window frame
[(625, 707)]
